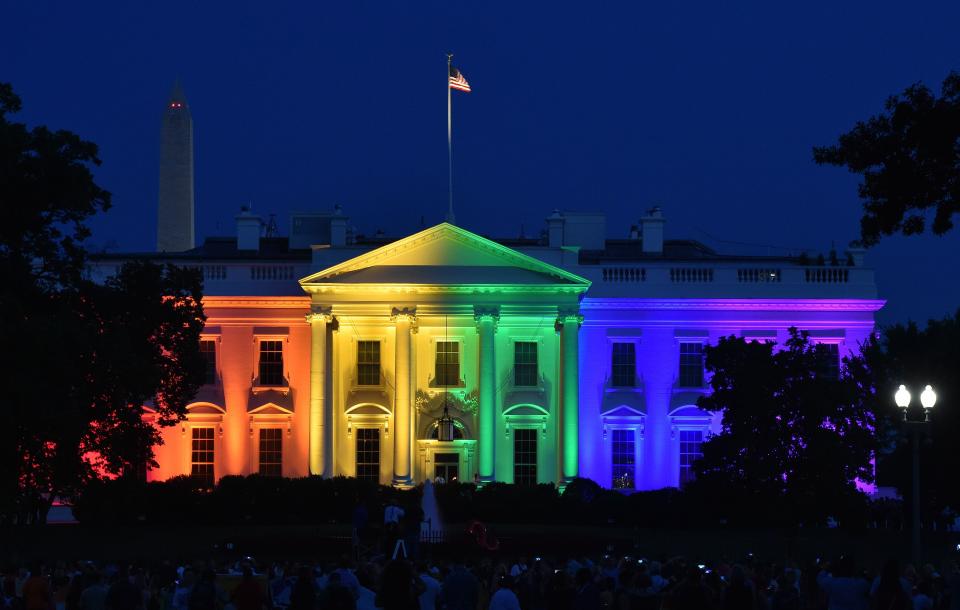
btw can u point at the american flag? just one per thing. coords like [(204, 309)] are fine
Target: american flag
[(457, 81)]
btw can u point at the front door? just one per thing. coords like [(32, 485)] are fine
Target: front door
[(446, 467)]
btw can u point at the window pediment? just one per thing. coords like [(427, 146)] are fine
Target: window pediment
[(525, 410), (205, 408), (623, 411), (361, 400), (281, 401), (368, 409)]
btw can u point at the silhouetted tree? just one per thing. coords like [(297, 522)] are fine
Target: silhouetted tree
[(916, 357), (796, 434), (78, 359), (909, 157)]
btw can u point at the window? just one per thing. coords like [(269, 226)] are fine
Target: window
[(368, 454), (525, 363), (525, 456), (624, 365), (447, 371), (201, 455), (446, 467), (368, 363), (271, 363), (690, 442), (624, 459), (828, 355), (271, 452), (691, 365), (208, 349)]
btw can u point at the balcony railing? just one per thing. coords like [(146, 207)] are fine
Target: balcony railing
[(691, 274), (758, 275), (624, 274), (827, 275), (721, 278), (272, 272)]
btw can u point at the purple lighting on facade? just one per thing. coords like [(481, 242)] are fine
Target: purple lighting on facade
[(658, 408)]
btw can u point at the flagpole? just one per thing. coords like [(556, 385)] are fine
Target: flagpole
[(450, 217)]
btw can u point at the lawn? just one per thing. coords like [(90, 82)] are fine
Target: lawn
[(333, 540)]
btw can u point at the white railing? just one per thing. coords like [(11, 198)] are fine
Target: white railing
[(624, 274), (758, 275), (827, 275), (272, 272), (691, 274)]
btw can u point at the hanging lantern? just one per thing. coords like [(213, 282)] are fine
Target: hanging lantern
[(445, 426)]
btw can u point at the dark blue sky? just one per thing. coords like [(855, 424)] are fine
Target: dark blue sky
[(709, 111)]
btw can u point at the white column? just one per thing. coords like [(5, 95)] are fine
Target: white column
[(570, 399), (333, 324), (402, 415), (319, 421), (486, 437)]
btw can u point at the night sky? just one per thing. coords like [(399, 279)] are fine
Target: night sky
[(708, 111)]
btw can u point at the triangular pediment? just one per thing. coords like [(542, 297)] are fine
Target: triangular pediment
[(445, 255)]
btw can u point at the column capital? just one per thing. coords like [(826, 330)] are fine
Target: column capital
[(320, 313), (404, 314), (486, 313), (568, 316)]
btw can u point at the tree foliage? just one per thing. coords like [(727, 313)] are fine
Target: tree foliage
[(909, 158), (915, 357), (796, 436), (79, 358)]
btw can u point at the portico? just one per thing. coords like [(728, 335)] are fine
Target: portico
[(444, 318)]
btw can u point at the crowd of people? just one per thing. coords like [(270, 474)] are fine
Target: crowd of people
[(621, 583)]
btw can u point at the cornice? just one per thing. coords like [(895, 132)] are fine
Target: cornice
[(444, 288), (736, 304), (257, 302)]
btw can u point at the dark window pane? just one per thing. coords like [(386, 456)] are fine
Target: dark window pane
[(691, 365), (201, 455), (368, 362), (624, 459), (368, 454), (525, 363), (525, 456), (447, 368), (271, 363), (828, 356), (208, 349), (690, 442), (446, 467), (624, 365), (271, 452)]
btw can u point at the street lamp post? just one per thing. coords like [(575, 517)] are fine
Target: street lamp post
[(928, 398)]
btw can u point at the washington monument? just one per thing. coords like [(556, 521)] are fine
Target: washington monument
[(175, 231)]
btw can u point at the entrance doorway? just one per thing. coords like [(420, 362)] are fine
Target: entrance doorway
[(446, 467)]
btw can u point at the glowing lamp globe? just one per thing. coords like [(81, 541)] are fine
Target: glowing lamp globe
[(902, 397), (928, 398)]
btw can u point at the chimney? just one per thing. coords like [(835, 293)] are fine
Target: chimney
[(856, 252), (338, 227), (249, 229), (651, 230), (555, 229)]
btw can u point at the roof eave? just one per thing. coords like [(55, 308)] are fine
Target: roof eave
[(326, 287)]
